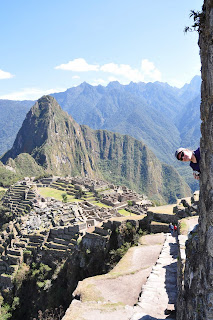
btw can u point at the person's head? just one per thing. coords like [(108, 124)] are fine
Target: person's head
[(183, 154)]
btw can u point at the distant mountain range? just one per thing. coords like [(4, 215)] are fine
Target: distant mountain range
[(58, 145), (161, 116)]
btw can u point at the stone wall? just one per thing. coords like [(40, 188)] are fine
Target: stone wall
[(197, 297)]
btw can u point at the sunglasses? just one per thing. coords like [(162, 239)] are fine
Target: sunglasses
[(181, 156)]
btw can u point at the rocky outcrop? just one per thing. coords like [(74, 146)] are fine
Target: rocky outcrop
[(197, 296)]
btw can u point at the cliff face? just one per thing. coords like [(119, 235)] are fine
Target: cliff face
[(197, 298)]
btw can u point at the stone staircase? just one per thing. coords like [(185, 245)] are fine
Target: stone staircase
[(19, 198), (159, 294)]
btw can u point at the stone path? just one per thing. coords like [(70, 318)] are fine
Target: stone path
[(158, 296), (158, 291)]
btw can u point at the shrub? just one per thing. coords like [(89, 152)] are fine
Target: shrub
[(64, 197), (117, 254), (5, 312), (21, 275), (51, 314)]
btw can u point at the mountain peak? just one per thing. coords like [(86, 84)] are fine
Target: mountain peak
[(114, 85), (53, 139)]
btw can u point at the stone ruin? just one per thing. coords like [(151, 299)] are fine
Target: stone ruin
[(48, 227)]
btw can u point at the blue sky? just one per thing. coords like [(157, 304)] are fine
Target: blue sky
[(50, 45)]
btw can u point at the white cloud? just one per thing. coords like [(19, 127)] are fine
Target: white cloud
[(123, 73), (123, 70), (30, 93), (149, 70), (5, 75), (79, 65)]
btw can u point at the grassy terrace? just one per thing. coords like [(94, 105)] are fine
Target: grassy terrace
[(57, 194), (126, 213), (167, 209)]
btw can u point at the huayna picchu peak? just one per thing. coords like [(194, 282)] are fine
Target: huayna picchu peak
[(63, 147), (53, 139)]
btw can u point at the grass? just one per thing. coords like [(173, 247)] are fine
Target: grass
[(167, 209), (158, 223), (183, 227), (126, 213), (99, 204), (56, 194)]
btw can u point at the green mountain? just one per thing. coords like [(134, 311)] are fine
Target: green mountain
[(62, 147), (53, 139), (161, 116), (147, 111), (12, 114)]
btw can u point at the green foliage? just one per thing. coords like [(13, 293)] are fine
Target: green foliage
[(2, 192), (5, 312), (64, 197), (116, 255), (40, 272), (27, 166), (129, 203), (7, 177), (15, 303), (12, 114), (5, 217), (51, 314), (199, 18), (21, 275), (79, 193)]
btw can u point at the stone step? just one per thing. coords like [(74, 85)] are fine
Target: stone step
[(160, 289), (101, 231), (13, 259), (36, 238), (33, 244), (73, 241), (31, 248), (53, 245), (20, 244), (15, 252), (61, 241)]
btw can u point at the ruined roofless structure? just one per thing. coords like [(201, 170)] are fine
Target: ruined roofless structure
[(197, 298)]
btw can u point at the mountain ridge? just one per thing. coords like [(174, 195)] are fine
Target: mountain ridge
[(63, 147), (154, 113)]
